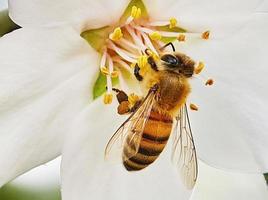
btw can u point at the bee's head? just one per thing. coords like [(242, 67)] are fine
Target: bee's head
[(178, 63)]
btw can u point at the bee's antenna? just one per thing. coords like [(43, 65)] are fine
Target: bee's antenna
[(171, 44)]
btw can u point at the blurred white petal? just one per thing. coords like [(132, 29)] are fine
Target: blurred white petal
[(86, 175), (46, 79), (230, 128), (221, 17), (38, 12), (221, 185)]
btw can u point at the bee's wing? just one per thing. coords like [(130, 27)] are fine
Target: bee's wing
[(131, 130), (183, 150)]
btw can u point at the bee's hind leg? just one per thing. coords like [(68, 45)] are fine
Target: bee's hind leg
[(125, 107)]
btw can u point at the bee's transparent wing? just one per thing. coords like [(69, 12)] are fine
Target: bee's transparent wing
[(131, 130), (183, 149)]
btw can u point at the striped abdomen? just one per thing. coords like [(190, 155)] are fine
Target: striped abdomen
[(154, 139)]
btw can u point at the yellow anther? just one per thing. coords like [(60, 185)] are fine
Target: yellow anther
[(135, 12), (210, 81), (133, 98), (193, 107), (108, 98), (116, 35), (181, 38), (155, 36), (132, 65), (142, 61), (199, 68), (104, 70), (115, 74), (205, 35), (172, 22)]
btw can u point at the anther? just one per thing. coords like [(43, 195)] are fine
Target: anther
[(205, 35), (135, 12), (108, 98), (115, 74), (105, 71), (155, 36), (172, 23), (210, 81), (181, 38), (193, 107), (116, 34), (199, 68)]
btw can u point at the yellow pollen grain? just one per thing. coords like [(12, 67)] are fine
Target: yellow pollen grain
[(115, 74), (135, 12), (172, 22), (210, 81), (132, 65), (142, 61), (193, 107), (108, 98), (155, 36), (205, 35), (104, 70), (199, 68), (181, 38), (133, 98), (116, 34)]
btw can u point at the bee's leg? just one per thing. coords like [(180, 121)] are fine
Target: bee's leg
[(137, 73), (152, 63), (122, 98)]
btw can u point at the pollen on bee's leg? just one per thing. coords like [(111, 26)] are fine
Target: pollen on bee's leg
[(133, 98), (193, 107), (142, 61), (210, 81), (205, 35), (108, 98), (181, 38), (199, 68)]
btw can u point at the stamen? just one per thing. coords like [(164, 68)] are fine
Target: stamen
[(116, 34), (135, 12), (205, 35), (172, 22), (199, 68), (108, 98), (128, 44), (193, 107), (105, 71), (149, 43), (122, 63), (155, 36), (181, 38), (210, 82), (115, 74), (122, 53), (136, 39)]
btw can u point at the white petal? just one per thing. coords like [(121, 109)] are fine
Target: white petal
[(221, 17), (230, 128), (46, 78), (82, 12), (85, 174), (217, 184)]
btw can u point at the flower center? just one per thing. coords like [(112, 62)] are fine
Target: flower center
[(130, 42)]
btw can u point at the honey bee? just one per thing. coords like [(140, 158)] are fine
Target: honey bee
[(143, 136)]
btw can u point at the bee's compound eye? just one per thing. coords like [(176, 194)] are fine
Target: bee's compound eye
[(171, 60)]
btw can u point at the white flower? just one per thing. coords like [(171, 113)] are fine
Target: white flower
[(47, 74)]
